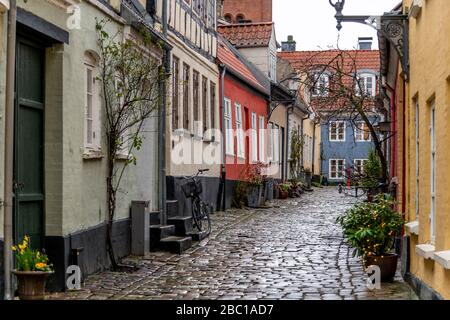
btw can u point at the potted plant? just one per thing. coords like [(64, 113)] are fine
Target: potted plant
[(284, 190), (371, 229), (32, 271), (372, 175), (254, 180)]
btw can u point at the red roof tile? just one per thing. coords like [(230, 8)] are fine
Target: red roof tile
[(248, 34), (226, 56), (362, 59)]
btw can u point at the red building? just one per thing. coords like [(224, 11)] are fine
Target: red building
[(245, 93)]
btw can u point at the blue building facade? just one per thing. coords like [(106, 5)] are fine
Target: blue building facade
[(344, 148)]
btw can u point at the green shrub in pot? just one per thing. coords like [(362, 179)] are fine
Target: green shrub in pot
[(371, 227)]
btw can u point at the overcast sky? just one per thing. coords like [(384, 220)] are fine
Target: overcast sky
[(313, 25)]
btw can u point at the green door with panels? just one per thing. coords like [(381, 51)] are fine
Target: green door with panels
[(29, 143)]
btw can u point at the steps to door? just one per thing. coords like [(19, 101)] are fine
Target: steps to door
[(175, 237)]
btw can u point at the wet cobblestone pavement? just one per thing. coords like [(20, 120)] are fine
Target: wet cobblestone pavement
[(292, 251)]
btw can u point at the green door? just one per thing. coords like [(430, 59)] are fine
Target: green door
[(29, 143)]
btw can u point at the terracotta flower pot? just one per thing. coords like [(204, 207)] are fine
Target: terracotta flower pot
[(387, 264), (31, 284)]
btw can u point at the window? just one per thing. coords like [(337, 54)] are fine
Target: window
[(212, 104), (205, 104), (366, 83), (337, 131), (92, 105), (229, 136), (358, 165), (239, 131), (433, 173), (262, 149), (362, 133), (254, 139), (276, 143), (240, 18), (269, 141), (186, 85), (195, 95), (321, 85), (337, 168), (175, 93)]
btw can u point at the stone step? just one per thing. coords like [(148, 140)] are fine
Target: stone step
[(155, 218), (172, 208), (175, 244), (183, 225), (197, 235), (159, 232)]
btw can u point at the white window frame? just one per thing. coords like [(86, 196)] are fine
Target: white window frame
[(262, 147), (335, 175), (229, 133), (360, 129), (337, 122), (362, 163), (362, 80), (433, 173), (239, 132), (276, 143), (94, 142), (254, 135), (321, 85)]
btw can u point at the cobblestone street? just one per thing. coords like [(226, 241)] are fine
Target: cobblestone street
[(292, 251)]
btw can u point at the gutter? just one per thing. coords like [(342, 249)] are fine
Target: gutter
[(9, 149), (224, 157)]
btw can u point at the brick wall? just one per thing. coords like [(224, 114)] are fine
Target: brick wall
[(255, 10)]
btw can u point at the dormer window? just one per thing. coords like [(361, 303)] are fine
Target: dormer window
[(240, 18), (366, 84), (321, 85)]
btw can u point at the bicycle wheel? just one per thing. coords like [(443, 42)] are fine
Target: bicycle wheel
[(200, 213)]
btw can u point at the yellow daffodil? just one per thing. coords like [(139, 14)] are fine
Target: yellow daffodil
[(14, 248)]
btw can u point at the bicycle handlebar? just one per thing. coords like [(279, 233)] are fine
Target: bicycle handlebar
[(201, 171)]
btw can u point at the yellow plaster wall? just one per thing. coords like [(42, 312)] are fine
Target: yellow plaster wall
[(429, 83)]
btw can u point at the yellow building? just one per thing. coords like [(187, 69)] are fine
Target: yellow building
[(423, 153)]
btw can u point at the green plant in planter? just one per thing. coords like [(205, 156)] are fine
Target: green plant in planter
[(371, 227), (372, 171)]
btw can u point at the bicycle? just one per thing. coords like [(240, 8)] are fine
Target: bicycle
[(200, 213)]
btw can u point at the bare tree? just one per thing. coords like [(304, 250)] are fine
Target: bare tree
[(130, 77), (331, 80)]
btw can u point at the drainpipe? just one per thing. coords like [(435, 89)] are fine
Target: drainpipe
[(9, 148), (224, 150), (162, 124), (289, 110)]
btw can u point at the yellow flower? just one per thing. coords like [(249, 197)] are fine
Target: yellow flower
[(22, 247), (14, 248), (41, 265)]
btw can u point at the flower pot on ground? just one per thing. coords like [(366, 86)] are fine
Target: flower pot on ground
[(32, 271), (254, 195), (387, 264), (31, 284), (371, 228)]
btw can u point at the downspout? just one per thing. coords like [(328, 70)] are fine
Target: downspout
[(289, 110), (9, 149), (162, 123), (224, 150)]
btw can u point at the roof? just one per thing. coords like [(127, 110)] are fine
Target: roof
[(247, 35), (240, 67), (348, 61), (363, 59)]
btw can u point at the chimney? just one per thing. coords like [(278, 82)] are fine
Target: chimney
[(289, 45), (365, 43)]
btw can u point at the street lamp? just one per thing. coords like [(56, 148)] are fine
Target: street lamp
[(392, 26)]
